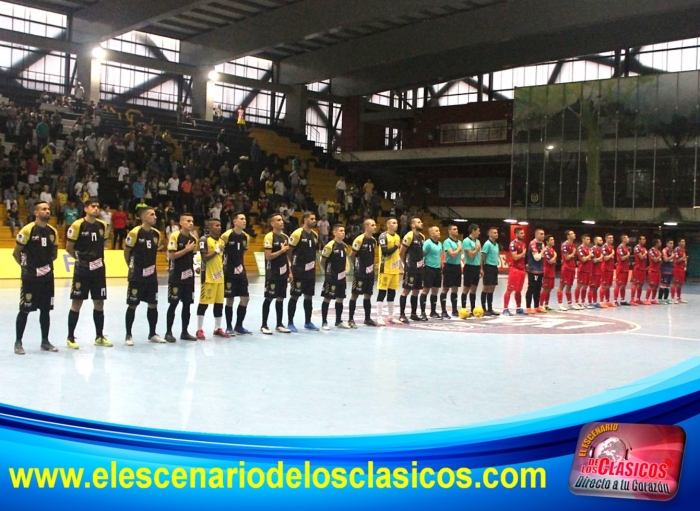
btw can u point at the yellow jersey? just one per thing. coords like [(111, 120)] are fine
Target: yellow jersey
[(390, 261), (213, 269)]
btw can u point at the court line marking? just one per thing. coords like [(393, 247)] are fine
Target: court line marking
[(666, 336)]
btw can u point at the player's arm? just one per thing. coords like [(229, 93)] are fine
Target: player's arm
[(475, 251), (517, 255), (355, 248), (17, 253), (326, 253), (483, 251), (72, 237), (609, 256), (536, 252), (130, 243), (405, 243), (386, 252), (269, 254), (204, 251), (455, 252), (570, 256), (23, 237), (173, 253), (293, 242)]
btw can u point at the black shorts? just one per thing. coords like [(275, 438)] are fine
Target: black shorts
[(303, 287), (432, 277), (451, 275), (275, 288), (413, 281), (334, 289), (236, 287), (490, 275), (666, 279), (89, 286), (181, 292), (36, 294), (363, 286), (138, 292), (471, 275)]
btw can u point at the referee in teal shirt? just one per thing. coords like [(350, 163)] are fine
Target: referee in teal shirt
[(489, 267), (452, 271), (432, 273)]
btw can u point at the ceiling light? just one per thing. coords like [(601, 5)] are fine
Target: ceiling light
[(588, 222), (99, 53), (462, 220), (213, 75), (671, 224), (510, 221), (523, 223), (550, 147)]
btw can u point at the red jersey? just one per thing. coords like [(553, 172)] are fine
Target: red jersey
[(654, 266), (597, 266), (679, 258), (119, 219), (640, 258), (519, 248), (584, 266), (568, 248), (608, 265), (550, 268), (623, 250)]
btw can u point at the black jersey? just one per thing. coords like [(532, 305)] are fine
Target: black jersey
[(181, 269), (235, 246), (144, 249), (276, 268), (365, 248), (336, 253), (89, 239), (414, 248), (304, 257), (40, 246)]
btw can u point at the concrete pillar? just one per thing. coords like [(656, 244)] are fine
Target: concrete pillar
[(203, 94), (295, 109), (88, 73)]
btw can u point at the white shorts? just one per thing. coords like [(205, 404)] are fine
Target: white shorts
[(32, 179)]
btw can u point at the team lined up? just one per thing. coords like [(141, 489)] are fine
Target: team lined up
[(431, 268)]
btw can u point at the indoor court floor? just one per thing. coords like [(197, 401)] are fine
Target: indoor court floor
[(405, 378)]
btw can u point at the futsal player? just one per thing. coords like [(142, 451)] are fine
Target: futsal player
[(277, 274), (140, 251), (568, 271), (334, 260), (535, 271), (212, 275), (303, 245), (36, 249), (451, 270), (389, 270), (411, 254), (622, 271), (583, 277), (432, 276), (472, 266), (596, 272), (608, 271), (516, 273), (654, 272), (639, 270), (365, 258), (182, 246), (235, 243), (85, 241), (489, 269), (666, 273), (549, 272), (680, 263)]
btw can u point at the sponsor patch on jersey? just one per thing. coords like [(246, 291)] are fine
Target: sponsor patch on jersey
[(149, 270), (44, 270), (96, 264)]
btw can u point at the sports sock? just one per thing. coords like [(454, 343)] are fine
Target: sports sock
[(45, 324), (240, 315), (265, 311), (98, 318), (414, 304), (185, 317), (577, 295), (443, 302), (351, 310), (291, 310), (380, 310), (472, 300), (464, 300), (308, 309), (453, 301), (433, 303), (518, 300), (423, 301), (72, 322), (568, 297), (20, 326), (130, 315), (152, 316), (560, 296), (170, 317), (402, 305), (228, 310), (338, 312), (324, 311), (367, 304), (489, 298), (279, 309), (506, 299)]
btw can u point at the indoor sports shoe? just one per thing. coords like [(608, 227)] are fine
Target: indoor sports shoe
[(597, 306), (404, 320), (292, 328), (381, 322), (265, 330), (563, 308), (603, 305), (200, 335), (521, 312), (231, 332), (219, 332), (423, 317), (47, 346), (170, 338), (548, 308), (72, 344), (674, 302), (342, 325), (156, 338), (325, 327), (655, 302), (576, 307), (435, 315), (634, 303), (102, 341), (455, 314), (242, 331), (370, 322), (542, 310), (310, 326), (129, 341), (444, 315), (680, 300), (413, 317), (646, 302), (506, 312), (186, 336), (352, 324), (530, 310), (19, 350), (283, 329)]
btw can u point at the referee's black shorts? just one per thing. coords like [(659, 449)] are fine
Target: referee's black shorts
[(471, 275), (451, 275), (432, 277), (490, 275)]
